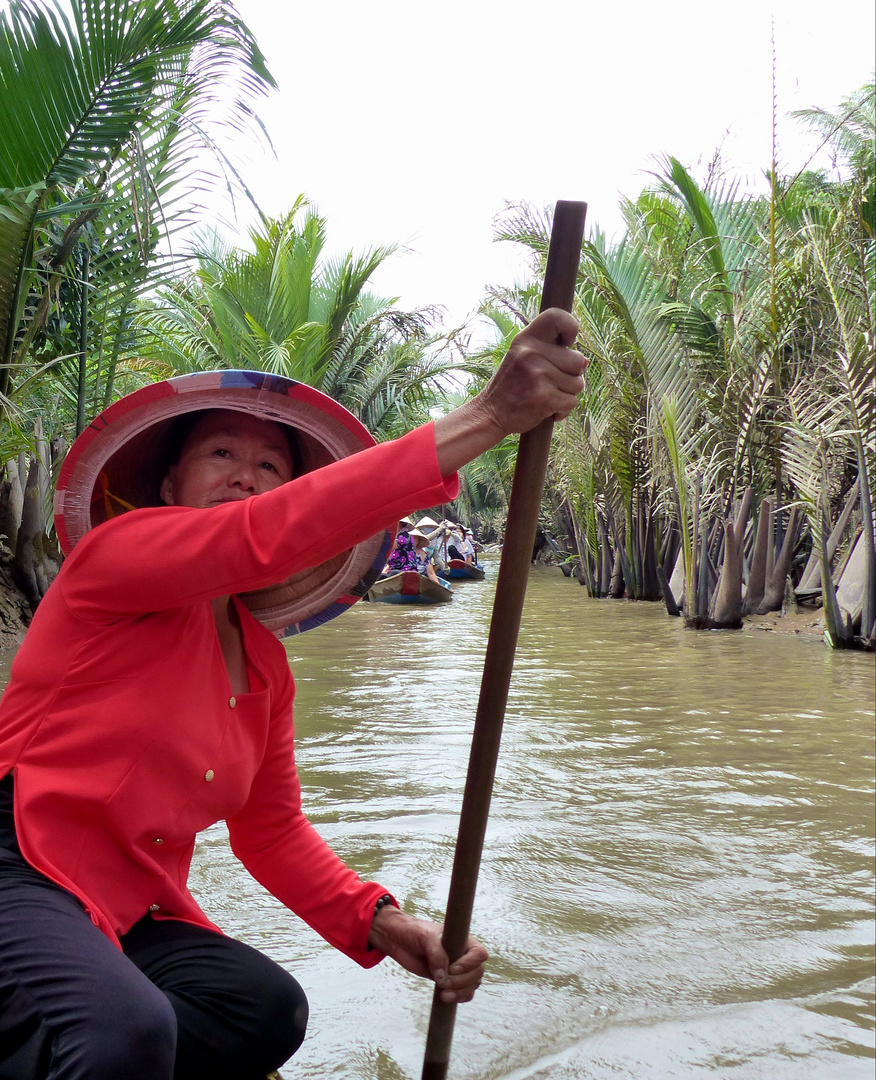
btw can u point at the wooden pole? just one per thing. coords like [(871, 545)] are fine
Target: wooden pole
[(561, 274)]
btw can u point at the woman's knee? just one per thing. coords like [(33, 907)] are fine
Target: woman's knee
[(286, 1018), (276, 1031)]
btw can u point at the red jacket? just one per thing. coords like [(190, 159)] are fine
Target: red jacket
[(120, 724)]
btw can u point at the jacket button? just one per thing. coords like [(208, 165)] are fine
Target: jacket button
[(155, 907), (158, 840), (232, 702), (208, 775)]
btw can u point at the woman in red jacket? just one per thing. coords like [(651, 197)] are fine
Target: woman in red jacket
[(151, 698)]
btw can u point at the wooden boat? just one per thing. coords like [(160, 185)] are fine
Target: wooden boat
[(408, 587), (459, 569)]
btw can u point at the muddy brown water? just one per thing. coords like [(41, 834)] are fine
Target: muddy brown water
[(678, 873)]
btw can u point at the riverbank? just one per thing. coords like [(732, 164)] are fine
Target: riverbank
[(15, 610), (808, 623)]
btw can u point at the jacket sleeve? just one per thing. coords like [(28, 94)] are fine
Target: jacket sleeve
[(282, 850), (164, 557)]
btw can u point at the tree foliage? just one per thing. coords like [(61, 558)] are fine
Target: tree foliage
[(108, 108), (730, 341), (279, 304)]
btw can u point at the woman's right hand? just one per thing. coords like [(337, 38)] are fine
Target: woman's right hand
[(541, 376)]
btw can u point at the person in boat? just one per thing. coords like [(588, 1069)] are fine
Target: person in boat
[(458, 547), (423, 557), (202, 518), (433, 547), (466, 546), (403, 556), (435, 550), (429, 526)]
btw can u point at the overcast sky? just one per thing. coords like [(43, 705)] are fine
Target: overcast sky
[(415, 123)]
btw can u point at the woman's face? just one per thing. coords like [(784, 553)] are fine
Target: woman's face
[(228, 456)]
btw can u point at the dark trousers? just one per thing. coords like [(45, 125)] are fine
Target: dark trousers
[(178, 1003)]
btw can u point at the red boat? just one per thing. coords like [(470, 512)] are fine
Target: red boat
[(409, 587), (459, 569)]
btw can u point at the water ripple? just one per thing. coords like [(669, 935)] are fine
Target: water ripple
[(677, 875)]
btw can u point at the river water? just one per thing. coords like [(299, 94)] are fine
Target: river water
[(678, 873)]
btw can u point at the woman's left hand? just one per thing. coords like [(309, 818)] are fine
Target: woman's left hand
[(416, 945)]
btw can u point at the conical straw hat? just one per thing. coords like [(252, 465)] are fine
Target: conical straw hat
[(122, 456)]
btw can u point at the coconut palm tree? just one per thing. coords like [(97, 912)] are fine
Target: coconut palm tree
[(279, 305), (106, 109), (832, 430), (105, 106), (607, 473), (709, 327)]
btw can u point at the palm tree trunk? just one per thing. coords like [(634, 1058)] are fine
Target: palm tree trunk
[(82, 380), (650, 584), (775, 588), (868, 614), (757, 576), (691, 589), (605, 561), (11, 505), (672, 607), (31, 565), (810, 580), (838, 631), (727, 611), (727, 608), (703, 585)]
